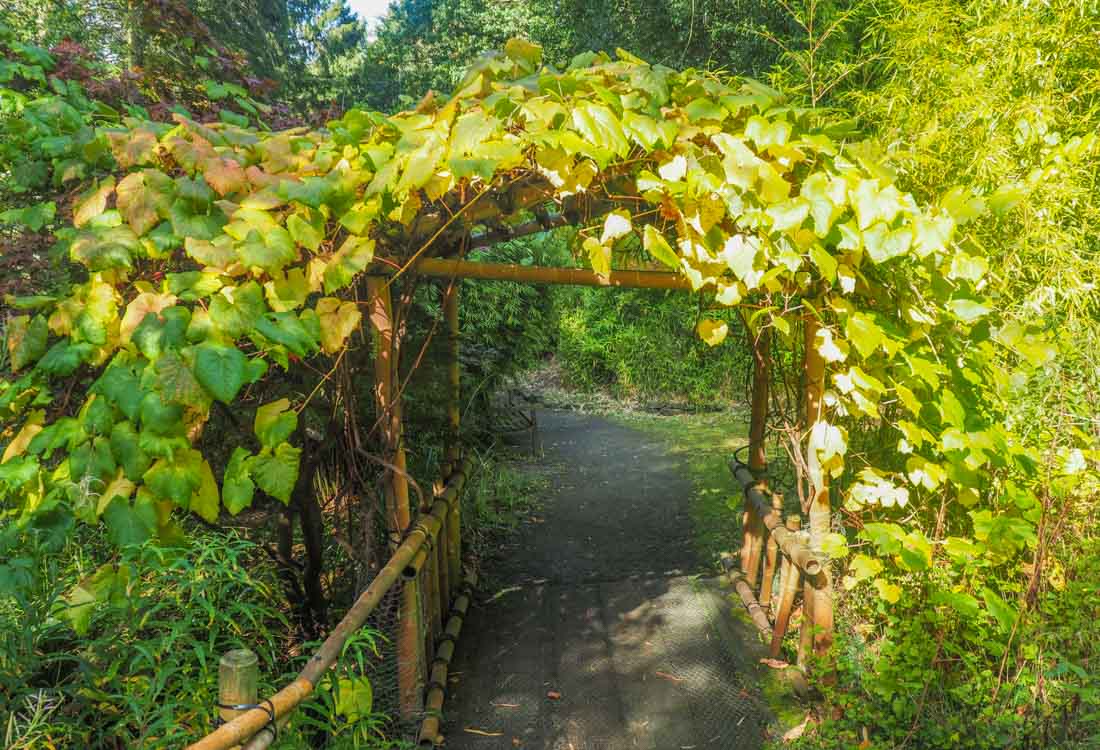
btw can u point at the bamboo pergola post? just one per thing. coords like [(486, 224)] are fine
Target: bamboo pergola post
[(396, 485), (820, 511), (753, 528), (758, 419), (238, 682), (770, 559), (386, 355), (454, 377), (790, 579), (454, 421)]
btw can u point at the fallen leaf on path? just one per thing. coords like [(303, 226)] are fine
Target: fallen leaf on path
[(553, 695), (775, 663), (795, 732), (482, 732), (506, 705), (668, 676)]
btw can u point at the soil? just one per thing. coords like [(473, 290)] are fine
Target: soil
[(596, 627)]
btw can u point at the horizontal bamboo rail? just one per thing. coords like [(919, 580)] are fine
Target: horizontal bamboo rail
[(254, 721), (454, 268), (787, 551), (759, 504), (741, 586)]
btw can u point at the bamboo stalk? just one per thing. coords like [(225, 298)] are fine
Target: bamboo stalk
[(454, 268), (770, 559), (761, 372), (454, 375), (747, 521), (443, 563), (429, 734), (238, 682), (790, 580), (820, 510), (793, 546), (411, 641), (285, 700), (398, 515), (758, 616)]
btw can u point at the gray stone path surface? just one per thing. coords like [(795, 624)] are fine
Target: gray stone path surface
[(594, 633)]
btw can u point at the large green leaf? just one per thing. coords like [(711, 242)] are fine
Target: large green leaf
[(26, 340), (275, 423), (221, 370), (276, 473)]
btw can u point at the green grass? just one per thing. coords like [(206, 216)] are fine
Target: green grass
[(704, 443)]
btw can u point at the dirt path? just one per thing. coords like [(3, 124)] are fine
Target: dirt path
[(594, 633)]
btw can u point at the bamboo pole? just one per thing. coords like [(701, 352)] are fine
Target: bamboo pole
[(238, 682), (454, 375), (792, 545), (411, 642), (790, 579), (285, 700), (758, 616), (429, 735), (820, 511), (454, 421), (443, 559), (747, 523), (386, 349), (454, 268), (770, 559), (396, 487), (761, 372)]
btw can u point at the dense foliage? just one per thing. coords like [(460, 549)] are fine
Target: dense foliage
[(209, 272)]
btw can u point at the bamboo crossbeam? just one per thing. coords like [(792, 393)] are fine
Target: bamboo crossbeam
[(251, 722), (792, 546), (468, 269)]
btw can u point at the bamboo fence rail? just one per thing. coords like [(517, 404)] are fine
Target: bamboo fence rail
[(788, 553), (253, 723)]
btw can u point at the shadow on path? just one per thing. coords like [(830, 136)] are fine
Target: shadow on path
[(598, 636)]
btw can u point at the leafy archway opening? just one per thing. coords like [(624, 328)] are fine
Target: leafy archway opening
[(226, 261)]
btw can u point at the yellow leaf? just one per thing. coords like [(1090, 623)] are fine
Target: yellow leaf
[(19, 444), (338, 321), (599, 255), (712, 331), (888, 591), (142, 305), (93, 203), (205, 499), (120, 486)]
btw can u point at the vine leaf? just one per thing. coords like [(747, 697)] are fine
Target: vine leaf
[(277, 472), (94, 202), (237, 485), (220, 368), (713, 332), (274, 423), (338, 320)]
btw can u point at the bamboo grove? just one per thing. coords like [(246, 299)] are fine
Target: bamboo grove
[(222, 255)]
